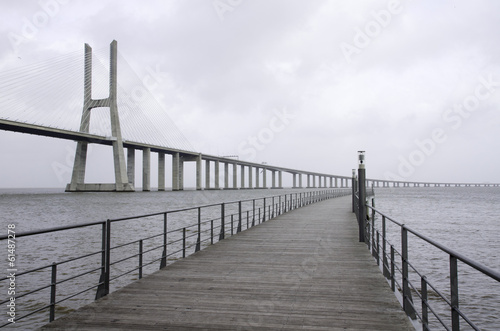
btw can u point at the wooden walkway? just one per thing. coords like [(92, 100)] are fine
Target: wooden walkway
[(304, 270)]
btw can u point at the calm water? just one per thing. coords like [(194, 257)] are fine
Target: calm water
[(464, 219)]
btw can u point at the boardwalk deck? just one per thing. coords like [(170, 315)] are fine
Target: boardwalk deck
[(304, 270)]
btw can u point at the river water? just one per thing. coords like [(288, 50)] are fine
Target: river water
[(464, 219)]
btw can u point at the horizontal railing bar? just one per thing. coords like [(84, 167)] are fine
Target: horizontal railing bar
[(77, 276), (55, 229), (478, 266)]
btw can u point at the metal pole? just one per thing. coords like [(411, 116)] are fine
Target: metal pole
[(163, 262), (222, 225), (455, 316), (362, 197), (198, 240), (53, 282), (140, 259)]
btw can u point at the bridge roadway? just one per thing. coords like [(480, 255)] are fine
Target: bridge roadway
[(304, 270)]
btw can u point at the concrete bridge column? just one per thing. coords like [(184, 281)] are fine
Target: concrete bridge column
[(226, 175), (294, 180), (242, 169), (146, 169), (207, 174), (181, 173), (331, 182), (175, 171), (308, 181), (198, 173), (217, 165), (264, 173), (336, 182), (250, 179), (131, 166), (161, 172), (280, 179), (273, 172), (300, 180), (235, 176)]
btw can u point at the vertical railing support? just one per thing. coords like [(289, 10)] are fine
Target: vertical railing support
[(425, 310), (362, 197), (140, 258), (253, 208), (238, 230), (53, 283), (455, 316), (222, 222), (212, 232), (373, 229), (407, 299), (264, 211), (393, 280), (198, 240), (163, 262), (101, 291), (183, 242), (384, 249)]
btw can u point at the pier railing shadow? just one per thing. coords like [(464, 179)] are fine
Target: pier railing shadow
[(420, 297), (122, 250)]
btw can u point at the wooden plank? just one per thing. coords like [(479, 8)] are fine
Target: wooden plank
[(304, 270)]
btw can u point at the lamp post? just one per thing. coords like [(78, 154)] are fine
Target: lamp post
[(362, 196), (354, 185)]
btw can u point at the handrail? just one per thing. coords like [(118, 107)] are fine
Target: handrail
[(174, 242), (407, 287)]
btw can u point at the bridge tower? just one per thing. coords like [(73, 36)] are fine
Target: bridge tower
[(78, 177)]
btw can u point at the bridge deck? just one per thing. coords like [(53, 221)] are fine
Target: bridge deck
[(304, 270)]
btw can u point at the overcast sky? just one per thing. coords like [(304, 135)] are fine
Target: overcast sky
[(300, 84)]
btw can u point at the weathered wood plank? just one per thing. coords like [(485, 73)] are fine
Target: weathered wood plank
[(304, 270)]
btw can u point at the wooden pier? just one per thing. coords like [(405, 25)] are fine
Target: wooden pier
[(304, 270)]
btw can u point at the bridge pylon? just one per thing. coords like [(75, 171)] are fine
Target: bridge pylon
[(78, 177)]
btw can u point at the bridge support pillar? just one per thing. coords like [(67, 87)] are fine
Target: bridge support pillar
[(217, 166), (198, 173), (131, 166), (242, 170), (175, 171), (250, 179), (226, 175), (146, 169), (257, 177), (161, 172), (294, 180), (280, 179), (273, 176), (78, 177), (264, 184), (207, 174), (235, 176), (300, 180)]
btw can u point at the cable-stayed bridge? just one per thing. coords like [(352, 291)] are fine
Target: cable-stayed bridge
[(123, 114)]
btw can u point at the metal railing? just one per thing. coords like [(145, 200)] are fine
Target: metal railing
[(387, 254), (114, 256)]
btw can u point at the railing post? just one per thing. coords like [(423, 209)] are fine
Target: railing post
[(425, 311), (140, 259), (107, 274), (163, 262), (407, 299), (264, 211), (272, 214), (373, 227), (212, 232), (232, 224), (362, 197), (222, 225), (384, 249), (53, 284), (455, 317), (101, 288), (238, 230), (253, 209), (183, 242), (248, 218), (393, 280), (198, 240)]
